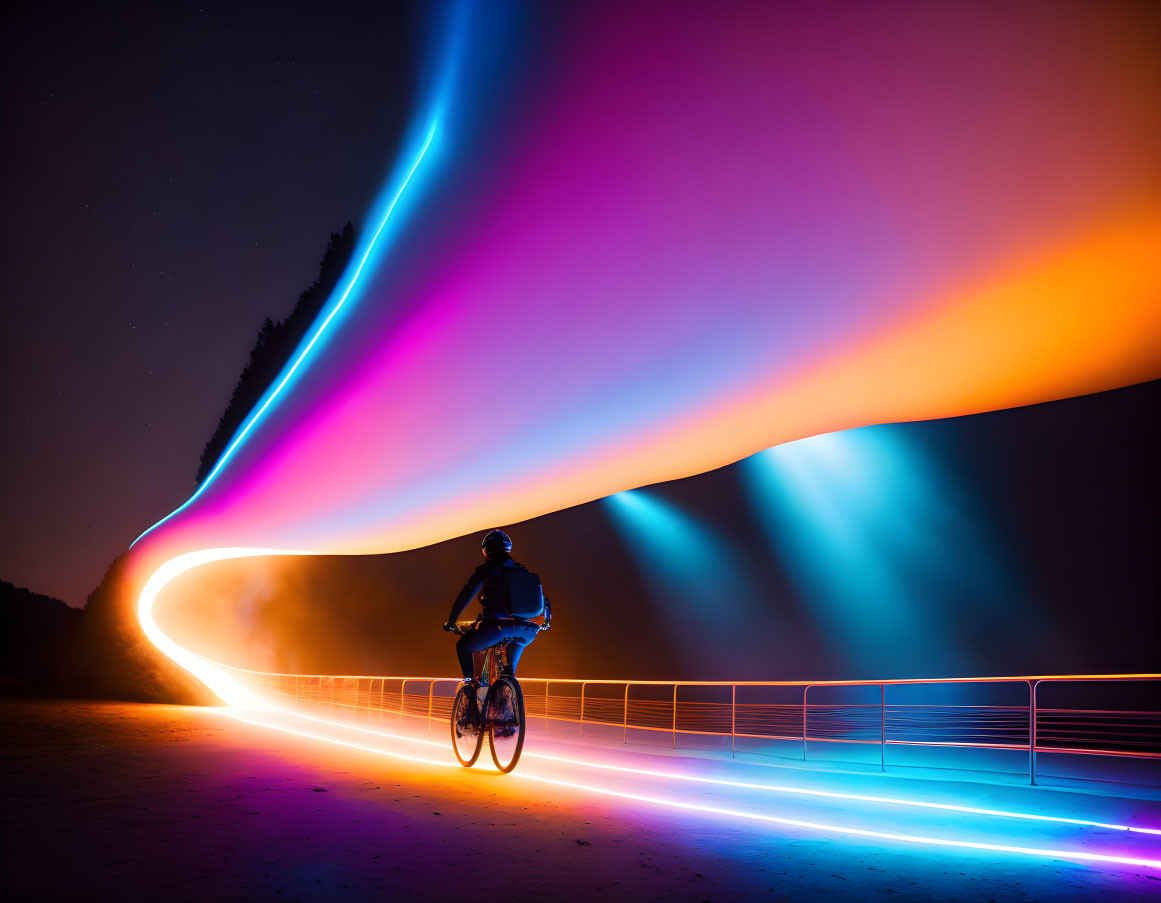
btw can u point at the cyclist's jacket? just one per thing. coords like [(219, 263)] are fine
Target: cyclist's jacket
[(485, 580)]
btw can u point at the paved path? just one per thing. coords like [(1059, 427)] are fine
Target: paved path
[(161, 802)]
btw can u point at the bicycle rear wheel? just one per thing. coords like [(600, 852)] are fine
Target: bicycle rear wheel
[(466, 730), (506, 716)]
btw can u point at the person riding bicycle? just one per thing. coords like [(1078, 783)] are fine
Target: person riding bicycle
[(496, 624)]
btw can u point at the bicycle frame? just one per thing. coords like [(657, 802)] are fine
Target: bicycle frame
[(493, 665)]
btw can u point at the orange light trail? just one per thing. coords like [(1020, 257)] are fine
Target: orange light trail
[(735, 814)]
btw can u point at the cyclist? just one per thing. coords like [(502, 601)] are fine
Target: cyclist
[(495, 624)]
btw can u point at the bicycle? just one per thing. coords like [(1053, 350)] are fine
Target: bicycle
[(499, 713)]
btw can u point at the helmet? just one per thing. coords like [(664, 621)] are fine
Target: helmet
[(496, 541)]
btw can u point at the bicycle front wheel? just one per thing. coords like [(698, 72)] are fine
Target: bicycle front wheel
[(466, 731), (506, 716)]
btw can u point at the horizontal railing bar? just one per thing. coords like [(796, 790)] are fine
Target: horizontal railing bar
[(729, 683), (1136, 754)]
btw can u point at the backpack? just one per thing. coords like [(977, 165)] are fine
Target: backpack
[(525, 596)]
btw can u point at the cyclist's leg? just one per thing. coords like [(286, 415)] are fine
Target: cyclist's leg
[(465, 658), (515, 650), (518, 638), (476, 640)]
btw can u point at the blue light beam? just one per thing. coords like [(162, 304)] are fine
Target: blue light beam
[(694, 577), (884, 554)]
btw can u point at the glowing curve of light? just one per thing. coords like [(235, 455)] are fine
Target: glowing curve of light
[(244, 700), (245, 704), (735, 813), (219, 681)]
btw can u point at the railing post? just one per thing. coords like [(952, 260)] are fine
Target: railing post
[(402, 689), (804, 689), (546, 683), (883, 727), (626, 736), (733, 718), (581, 727), (675, 716), (430, 698), (1032, 684)]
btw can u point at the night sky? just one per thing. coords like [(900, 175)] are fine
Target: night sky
[(170, 176)]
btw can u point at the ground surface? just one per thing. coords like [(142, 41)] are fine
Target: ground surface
[(160, 802)]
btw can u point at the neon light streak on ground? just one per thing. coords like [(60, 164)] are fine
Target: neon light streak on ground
[(734, 813), (767, 788), (773, 788), (906, 838)]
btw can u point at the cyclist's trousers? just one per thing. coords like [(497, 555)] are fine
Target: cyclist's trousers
[(489, 633)]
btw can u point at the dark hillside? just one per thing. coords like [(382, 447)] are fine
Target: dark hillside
[(37, 634), (276, 341)]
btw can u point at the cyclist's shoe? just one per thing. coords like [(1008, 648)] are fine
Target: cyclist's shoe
[(470, 717)]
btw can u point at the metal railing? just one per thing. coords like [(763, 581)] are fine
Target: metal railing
[(783, 712)]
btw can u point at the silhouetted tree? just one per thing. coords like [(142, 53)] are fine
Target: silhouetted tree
[(276, 342)]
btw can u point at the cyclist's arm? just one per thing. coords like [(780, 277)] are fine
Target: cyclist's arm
[(471, 589)]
